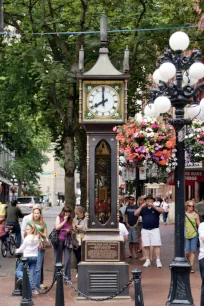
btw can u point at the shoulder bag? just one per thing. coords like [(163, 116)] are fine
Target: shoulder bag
[(54, 237)]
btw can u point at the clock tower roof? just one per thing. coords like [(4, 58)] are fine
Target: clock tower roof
[(103, 66)]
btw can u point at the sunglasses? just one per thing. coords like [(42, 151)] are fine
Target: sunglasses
[(191, 206)]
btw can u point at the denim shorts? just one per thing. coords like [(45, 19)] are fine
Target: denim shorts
[(191, 244), (133, 235)]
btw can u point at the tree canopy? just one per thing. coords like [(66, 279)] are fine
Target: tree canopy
[(38, 78)]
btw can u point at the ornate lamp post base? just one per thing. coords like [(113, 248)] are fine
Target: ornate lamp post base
[(180, 290)]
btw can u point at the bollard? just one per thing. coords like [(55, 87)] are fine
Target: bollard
[(59, 299), (26, 290), (138, 287), (17, 291)]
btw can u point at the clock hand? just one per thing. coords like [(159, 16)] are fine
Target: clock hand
[(102, 102), (103, 94)]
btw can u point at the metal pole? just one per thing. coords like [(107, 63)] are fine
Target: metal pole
[(17, 291), (180, 289), (137, 182), (138, 287), (59, 299), (26, 289)]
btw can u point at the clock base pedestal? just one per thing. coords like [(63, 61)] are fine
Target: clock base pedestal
[(100, 279)]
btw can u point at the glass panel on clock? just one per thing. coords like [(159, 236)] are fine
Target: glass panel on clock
[(103, 182)]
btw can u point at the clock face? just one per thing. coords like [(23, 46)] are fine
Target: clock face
[(103, 101)]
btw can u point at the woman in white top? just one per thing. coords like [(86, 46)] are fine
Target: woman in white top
[(165, 206), (29, 248)]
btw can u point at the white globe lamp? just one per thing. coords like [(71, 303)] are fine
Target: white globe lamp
[(162, 104), (157, 77), (193, 111), (196, 71), (202, 105), (188, 80), (200, 115), (167, 70), (179, 41), (150, 111)]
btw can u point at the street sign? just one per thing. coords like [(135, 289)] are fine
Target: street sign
[(142, 173), (182, 134)]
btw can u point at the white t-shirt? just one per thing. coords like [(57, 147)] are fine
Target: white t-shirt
[(201, 234), (123, 210), (157, 204), (26, 219), (123, 230), (165, 206), (29, 247)]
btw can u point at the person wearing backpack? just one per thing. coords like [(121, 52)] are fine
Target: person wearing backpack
[(192, 221)]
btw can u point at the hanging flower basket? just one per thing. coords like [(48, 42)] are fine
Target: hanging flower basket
[(194, 142), (147, 142)]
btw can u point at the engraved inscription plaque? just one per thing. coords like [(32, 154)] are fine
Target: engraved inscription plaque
[(102, 251)]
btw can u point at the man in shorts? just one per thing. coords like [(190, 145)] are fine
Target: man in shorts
[(150, 229), (131, 223)]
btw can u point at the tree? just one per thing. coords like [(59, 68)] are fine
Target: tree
[(49, 62)]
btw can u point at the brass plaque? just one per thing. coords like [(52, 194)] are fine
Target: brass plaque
[(102, 251)]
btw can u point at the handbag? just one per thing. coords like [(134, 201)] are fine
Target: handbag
[(54, 237), (45, 243), (71, 240)]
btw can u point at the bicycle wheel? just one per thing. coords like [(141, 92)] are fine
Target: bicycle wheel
[(12, 245), (3, 249)]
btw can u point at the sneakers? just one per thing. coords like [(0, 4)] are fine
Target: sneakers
[(147, 263), (35, 292), (158, 263)]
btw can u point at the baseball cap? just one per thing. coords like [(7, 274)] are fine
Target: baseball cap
[(131, 197)]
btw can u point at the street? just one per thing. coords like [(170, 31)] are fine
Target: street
[(155, 282)]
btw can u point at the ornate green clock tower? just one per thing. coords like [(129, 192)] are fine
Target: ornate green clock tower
[(102, 105)]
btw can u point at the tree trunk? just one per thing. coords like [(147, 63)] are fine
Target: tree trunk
[(81, 145), (68, 142), (69, 167)]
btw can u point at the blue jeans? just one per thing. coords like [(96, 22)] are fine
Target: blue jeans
[(191, 244), (17, 232), (37, 277), (165, 215), (32, 266)]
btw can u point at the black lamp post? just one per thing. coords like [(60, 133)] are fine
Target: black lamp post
[(184, 71)]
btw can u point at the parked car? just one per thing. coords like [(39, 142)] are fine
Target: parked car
[(26, 204)]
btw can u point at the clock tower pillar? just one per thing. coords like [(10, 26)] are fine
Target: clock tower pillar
[(102, 105)]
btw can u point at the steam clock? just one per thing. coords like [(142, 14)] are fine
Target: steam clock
[(102, 105)]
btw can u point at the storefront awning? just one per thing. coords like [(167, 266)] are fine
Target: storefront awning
[(191, 176)]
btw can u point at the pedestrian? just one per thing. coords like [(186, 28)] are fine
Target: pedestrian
[(201, 259), (150, 229), (165, 206), (38, 221), (122, 228), (157, 202), (25, 221), (80, 226), (124, 202), (13, 214), (192, 221), (200, 209), (29, 248), (64, 223), (139, 229), (131, 223)]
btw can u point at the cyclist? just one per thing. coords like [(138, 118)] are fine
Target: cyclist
[(13, 214)]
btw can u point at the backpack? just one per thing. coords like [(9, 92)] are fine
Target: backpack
[(54, 238)]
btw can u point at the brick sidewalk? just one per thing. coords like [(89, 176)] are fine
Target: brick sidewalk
[(155, 282)]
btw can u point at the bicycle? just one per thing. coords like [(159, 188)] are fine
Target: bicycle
[(8, 244)]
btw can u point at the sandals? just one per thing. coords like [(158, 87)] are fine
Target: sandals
[(192, 271)]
